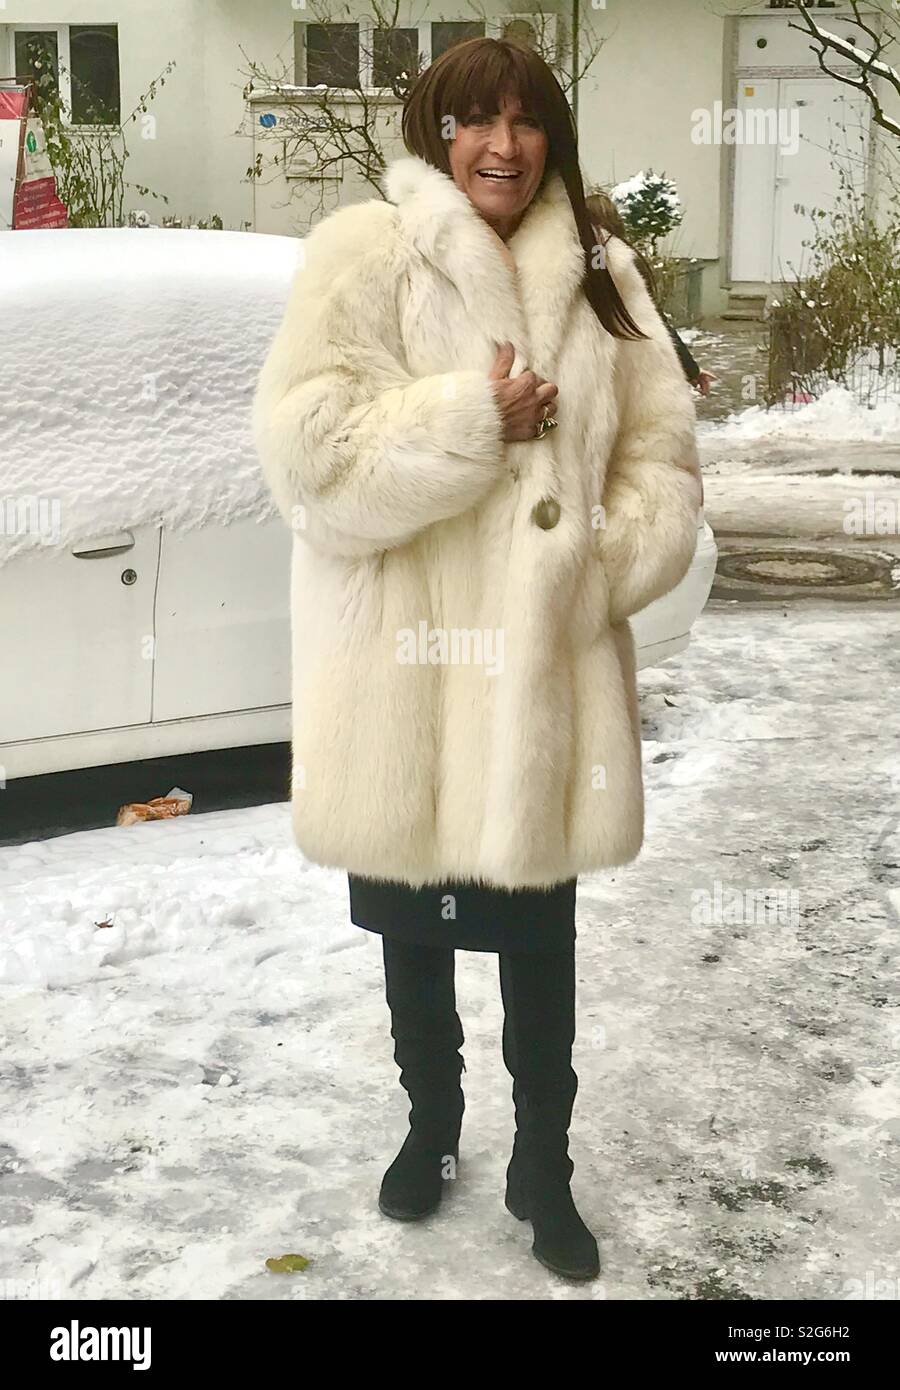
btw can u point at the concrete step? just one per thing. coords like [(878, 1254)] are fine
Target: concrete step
[(746, 305), (746, 315)]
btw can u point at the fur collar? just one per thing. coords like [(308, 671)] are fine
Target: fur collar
[(527, 304)]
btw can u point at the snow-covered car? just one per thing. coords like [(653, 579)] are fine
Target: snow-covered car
[(144, 572)]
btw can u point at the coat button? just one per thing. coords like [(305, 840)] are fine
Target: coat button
[(545, 513)]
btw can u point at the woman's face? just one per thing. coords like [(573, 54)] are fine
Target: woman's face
[(512, 143)]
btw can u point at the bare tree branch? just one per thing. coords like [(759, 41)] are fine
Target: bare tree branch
[(870, 68)]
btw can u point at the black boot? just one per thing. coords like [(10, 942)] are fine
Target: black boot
[(427, 1033), (538, 1033)]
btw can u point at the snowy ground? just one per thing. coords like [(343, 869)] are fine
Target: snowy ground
[(208, 1081), (737, 354), (813, 490)]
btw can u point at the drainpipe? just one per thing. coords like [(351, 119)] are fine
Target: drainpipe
[(576, 15)]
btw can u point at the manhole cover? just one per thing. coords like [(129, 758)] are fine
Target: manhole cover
[(796, 572)]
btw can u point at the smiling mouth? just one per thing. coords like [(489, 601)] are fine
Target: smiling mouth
[(499, 176)]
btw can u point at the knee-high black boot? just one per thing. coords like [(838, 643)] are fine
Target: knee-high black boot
[(427, 1033), (538, 1033)]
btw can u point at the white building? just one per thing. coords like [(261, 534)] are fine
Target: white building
[(723, 97)]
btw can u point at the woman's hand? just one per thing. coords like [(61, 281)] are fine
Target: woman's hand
[(523, 399)]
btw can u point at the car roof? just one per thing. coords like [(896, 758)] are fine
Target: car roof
[(135, 254), (127, 370)]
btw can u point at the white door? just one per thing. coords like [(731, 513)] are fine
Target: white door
[(789, 133), (833, 124), (223, 622), (77, 626), (754, 186)]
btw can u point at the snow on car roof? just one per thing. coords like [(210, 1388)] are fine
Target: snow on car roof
[(128, 362)]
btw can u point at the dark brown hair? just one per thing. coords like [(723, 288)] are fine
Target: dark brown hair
[(604, 213), (480, 72)]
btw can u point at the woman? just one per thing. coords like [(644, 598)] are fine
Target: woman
[(475, 422), (604, 214)]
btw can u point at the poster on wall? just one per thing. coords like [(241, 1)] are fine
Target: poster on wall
[(13, 104), (37, 201), (28, 195)]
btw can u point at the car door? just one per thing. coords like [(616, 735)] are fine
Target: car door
[(77, 624), (223, 620)]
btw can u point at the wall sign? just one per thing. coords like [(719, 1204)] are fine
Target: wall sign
[(28, 195)]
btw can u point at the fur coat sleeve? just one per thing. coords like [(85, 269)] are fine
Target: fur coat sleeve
[(359, 454), (652, 491)]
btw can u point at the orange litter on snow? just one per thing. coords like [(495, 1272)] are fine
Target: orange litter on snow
[(177, 803)]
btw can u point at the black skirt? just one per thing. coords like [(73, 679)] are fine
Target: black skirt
[(478, 917)]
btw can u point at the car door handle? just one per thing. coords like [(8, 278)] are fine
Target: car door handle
[(103, 545)]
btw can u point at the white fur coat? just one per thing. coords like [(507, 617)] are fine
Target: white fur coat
[(464, 696)]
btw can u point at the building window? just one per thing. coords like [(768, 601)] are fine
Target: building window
[(360, 56), (83, 63), (36, 55), (394, 52), (445, 34), (94, 54), (331, 54), (519, 27)]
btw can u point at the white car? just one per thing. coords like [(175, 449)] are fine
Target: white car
[(144, 573)]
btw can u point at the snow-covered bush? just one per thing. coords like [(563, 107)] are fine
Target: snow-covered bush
[(650, 207), (838, 320)]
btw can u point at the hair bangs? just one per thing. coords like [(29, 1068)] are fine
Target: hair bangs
[(490, 75)]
